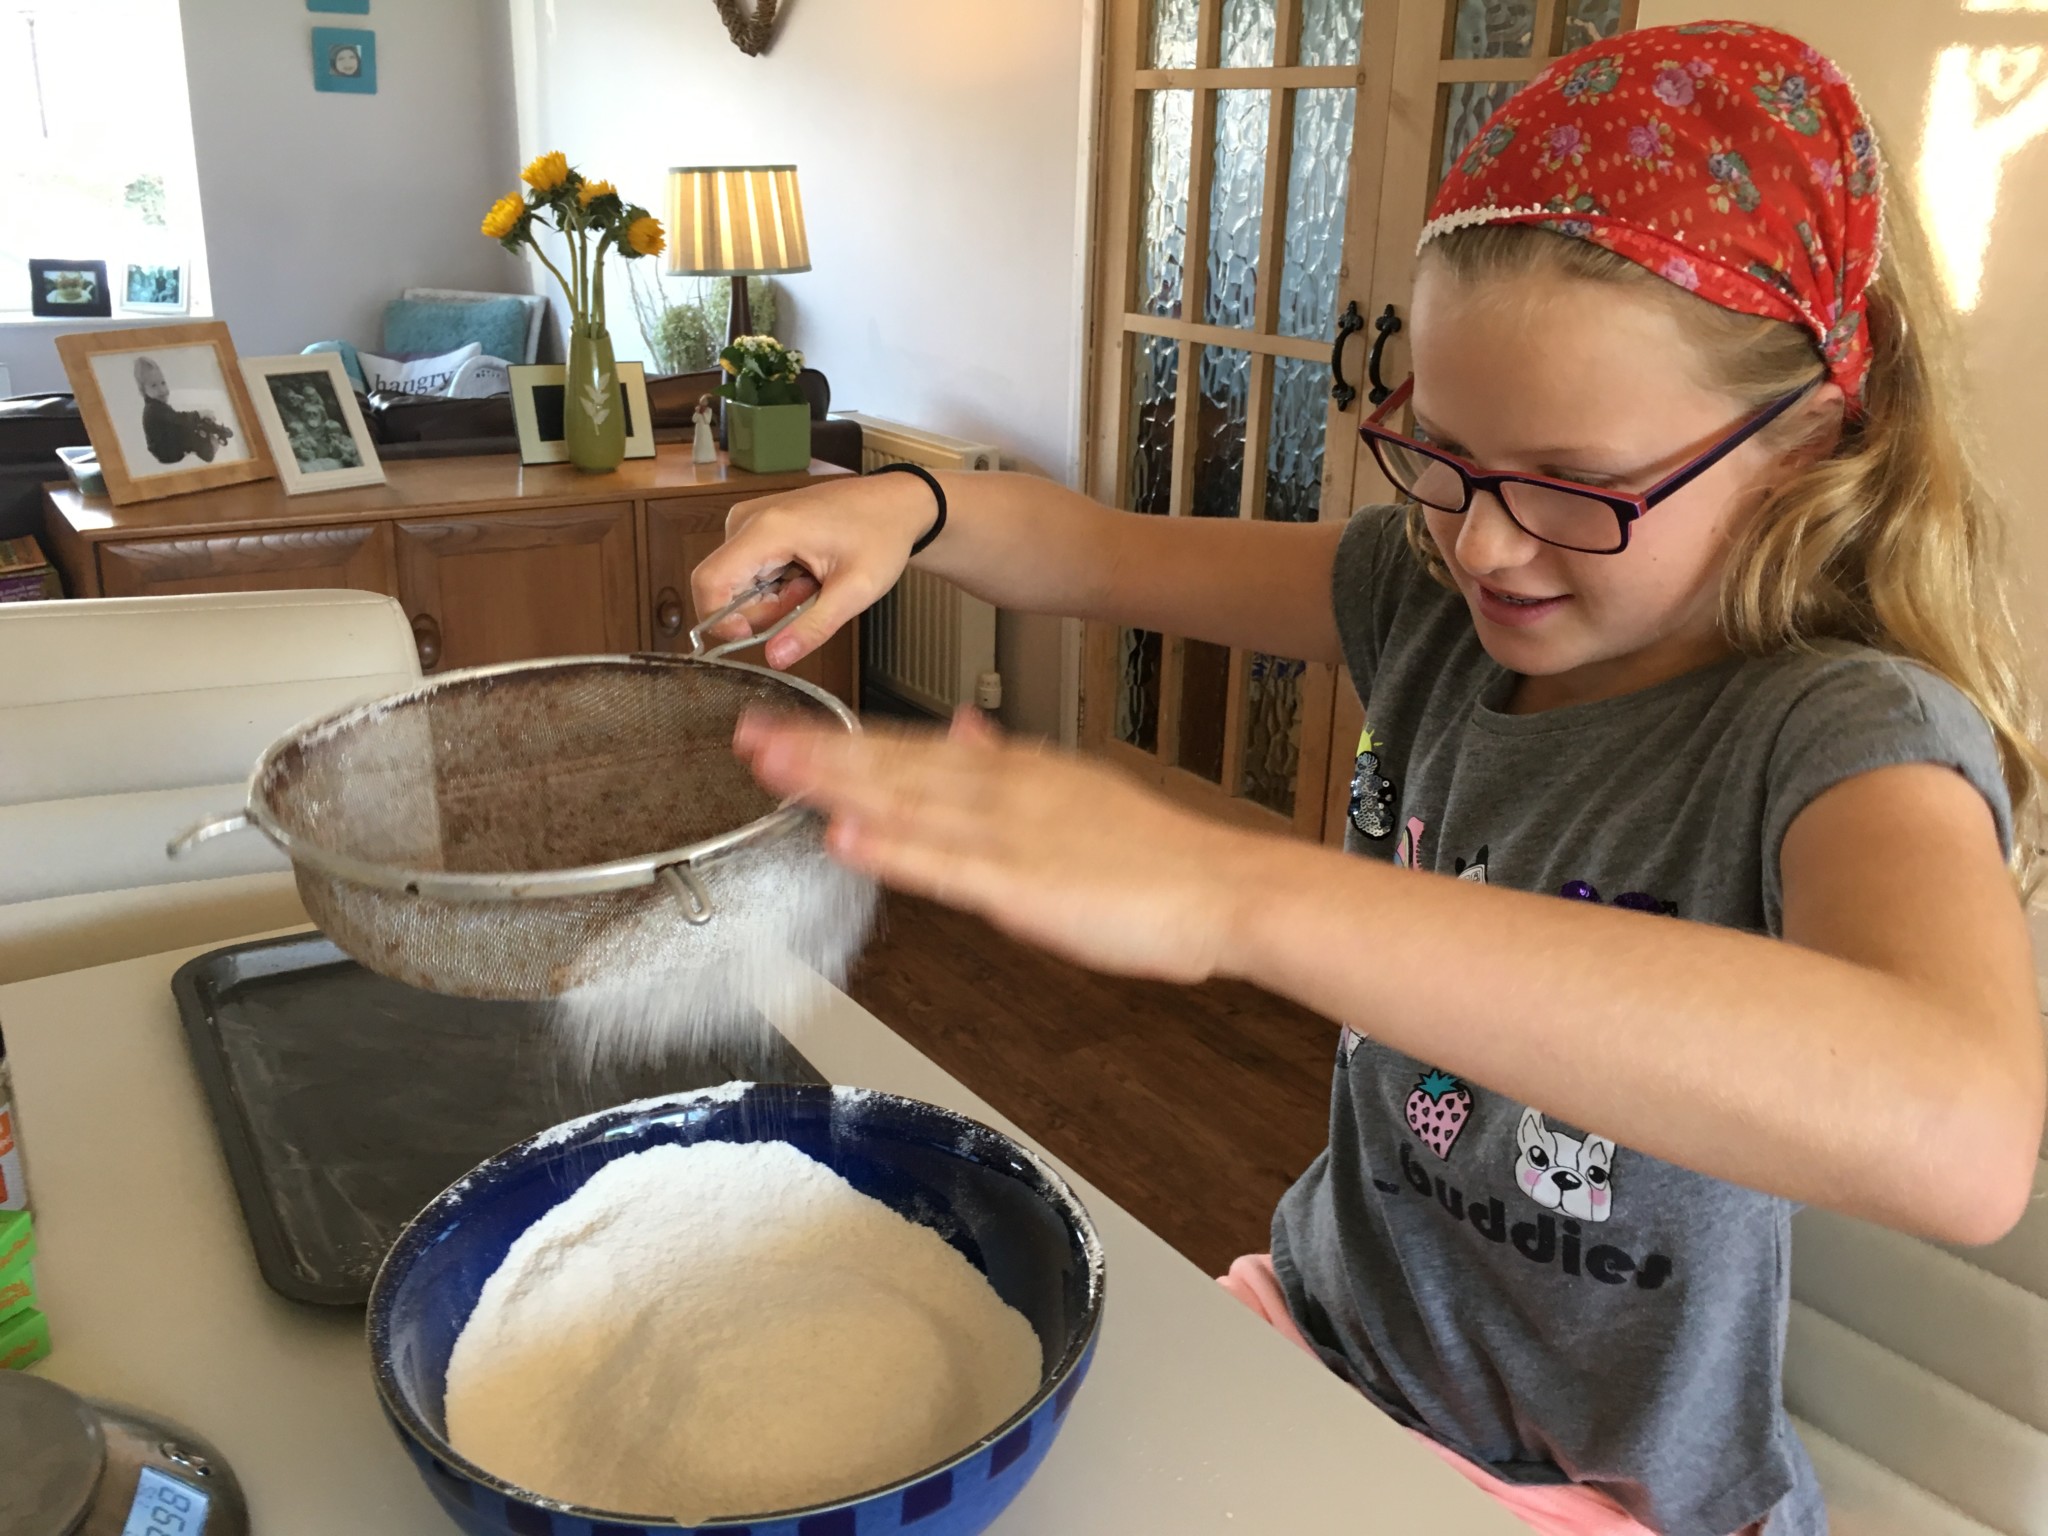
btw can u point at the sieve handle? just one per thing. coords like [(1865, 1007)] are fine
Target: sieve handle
[(766, 586), (206, 831), (689, 892)]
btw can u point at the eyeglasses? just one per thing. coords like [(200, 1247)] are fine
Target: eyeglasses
[(1560, 512)]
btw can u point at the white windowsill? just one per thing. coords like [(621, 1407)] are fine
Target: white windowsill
[(19, 319)]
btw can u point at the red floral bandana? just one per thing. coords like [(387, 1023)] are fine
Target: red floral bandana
[(1727, 158)]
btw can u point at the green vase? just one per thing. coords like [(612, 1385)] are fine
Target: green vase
[(768, 439), (593, 411)]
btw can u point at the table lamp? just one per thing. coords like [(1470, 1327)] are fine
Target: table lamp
[(735, 221)]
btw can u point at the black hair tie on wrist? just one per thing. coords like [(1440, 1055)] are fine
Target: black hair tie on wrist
[(938, 523)]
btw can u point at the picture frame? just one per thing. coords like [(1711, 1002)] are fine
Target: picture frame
[(68, 290), (166, 409), (312, 422), (345, 59), (539, 391), (155, 287)]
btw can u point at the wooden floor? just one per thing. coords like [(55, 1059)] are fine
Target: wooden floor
[(1191, 1107)]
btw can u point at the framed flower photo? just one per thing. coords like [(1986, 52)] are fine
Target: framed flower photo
[(540, 410), (314, 426), (165, 408), (68, 290), (154, 287)]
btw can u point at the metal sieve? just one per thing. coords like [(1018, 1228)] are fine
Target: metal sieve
[(522, 831)]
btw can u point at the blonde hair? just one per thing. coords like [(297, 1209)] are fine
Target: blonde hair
[(1891, 540)]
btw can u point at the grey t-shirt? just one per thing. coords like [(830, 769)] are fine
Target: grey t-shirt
[(1522, 1289)]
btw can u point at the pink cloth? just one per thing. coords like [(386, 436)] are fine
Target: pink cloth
[(1555, 1509)]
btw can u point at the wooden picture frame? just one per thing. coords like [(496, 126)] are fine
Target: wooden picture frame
[(324, 444), (166, 409), (537, 393)]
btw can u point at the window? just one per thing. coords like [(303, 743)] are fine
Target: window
[(99, 163)]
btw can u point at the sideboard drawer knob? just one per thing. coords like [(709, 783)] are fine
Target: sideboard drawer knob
[(426, 634)]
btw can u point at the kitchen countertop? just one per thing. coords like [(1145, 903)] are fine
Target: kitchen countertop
[(1197, 1418)]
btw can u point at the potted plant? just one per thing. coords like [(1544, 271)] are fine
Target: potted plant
[(594, 220), (767, 418)]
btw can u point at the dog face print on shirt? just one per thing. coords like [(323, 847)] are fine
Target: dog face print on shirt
[(1562, 1173)]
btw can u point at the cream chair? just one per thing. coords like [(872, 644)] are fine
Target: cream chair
[(1918, 1374), (125, 720)]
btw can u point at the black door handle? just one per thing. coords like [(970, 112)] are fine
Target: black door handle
[(1385, 325), (1348, 325)]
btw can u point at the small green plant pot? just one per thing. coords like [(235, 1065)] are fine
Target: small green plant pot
[(768, 439)]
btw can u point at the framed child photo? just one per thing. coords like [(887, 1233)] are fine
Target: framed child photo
[(314, 426), (539, 396), (68, 290), (345, 59), (165, 408), (154, 287)]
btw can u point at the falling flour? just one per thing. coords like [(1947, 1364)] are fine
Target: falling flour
[(729, 1329)]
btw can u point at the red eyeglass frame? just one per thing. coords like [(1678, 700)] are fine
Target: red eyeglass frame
[(1627, 506)]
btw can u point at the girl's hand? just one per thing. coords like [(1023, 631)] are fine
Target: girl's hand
[(1055, 850), (853, 534)]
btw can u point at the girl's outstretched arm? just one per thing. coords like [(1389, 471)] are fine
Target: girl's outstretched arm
[(1884, 1059), (1033, 546)]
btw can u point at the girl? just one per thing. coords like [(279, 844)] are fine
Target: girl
[(1688, 618)]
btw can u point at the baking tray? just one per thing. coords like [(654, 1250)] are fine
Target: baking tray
[(345, 1102)]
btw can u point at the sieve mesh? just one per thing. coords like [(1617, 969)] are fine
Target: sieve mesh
[(550, 767)]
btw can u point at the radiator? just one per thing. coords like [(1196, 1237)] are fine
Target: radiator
[(926, 641)]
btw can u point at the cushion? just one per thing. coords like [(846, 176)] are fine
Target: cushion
[(350, 364), (416, 327), (416, 375)]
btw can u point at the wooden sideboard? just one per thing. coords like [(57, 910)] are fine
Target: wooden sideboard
[(492, 560)]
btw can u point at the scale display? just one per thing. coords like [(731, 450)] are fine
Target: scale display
[(164, 1506)]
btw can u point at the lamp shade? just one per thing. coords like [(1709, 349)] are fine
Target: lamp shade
[(728, 219)]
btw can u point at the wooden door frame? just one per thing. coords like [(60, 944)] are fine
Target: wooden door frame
[(1110, 325)]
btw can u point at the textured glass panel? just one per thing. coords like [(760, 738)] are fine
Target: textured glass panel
[(1318, 171), (1237, 187), (1247, 34), (1493, 29), (1470, 103), (1163, 205), (1272, 732), (1171, 44), (1137, 689), (1204, 705), (1587, 21), (1225, 379), (1294, 445), (1155, 376), (1329, 31)]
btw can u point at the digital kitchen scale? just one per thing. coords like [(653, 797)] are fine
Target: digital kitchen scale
[(78, 1467)]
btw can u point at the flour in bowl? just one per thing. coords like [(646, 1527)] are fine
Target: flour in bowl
[(729, 1329)]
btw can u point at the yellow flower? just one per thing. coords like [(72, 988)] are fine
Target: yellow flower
[(546, 172), (591, 191), (727, 364), (504, 216), (644, 236)]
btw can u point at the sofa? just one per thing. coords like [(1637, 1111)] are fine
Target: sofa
[(34, 427)]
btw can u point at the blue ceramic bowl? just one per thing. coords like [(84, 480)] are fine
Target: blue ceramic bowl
[(1011, 1216)]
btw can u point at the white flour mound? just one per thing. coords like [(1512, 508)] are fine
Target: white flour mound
[(729, 1329)]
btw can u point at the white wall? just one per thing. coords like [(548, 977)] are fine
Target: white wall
[(319, 207), (939, 145)]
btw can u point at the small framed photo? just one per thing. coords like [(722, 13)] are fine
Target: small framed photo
[(345, 59), (311, 419), (68, 290), (154, 287), (165, 408), (539, 402)]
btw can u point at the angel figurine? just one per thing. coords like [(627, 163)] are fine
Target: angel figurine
[(704, 442)]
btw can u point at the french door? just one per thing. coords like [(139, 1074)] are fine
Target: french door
[(1262, 173)]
